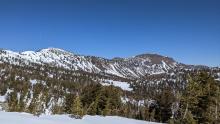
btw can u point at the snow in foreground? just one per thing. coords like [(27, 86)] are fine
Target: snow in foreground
[(24, 118)]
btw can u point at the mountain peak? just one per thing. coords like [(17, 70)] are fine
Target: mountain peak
[(149, 55), (54, 50), (156, 58)]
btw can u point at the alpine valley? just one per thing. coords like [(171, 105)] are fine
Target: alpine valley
[(54, 81)]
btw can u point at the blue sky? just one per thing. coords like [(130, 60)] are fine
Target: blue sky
[(187, 30)]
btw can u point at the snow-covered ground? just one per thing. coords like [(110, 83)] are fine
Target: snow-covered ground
[(24, 118), (2, 98), (218, 77), (122, 85)]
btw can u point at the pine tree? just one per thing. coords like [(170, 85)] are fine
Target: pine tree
[(107, 109), (35, 107), (217, 105), (189, 98), (189, 119), (152, 115), (164, 104), (12, 101), (146, 113), (69, 98), (57, 109), (93, 107), (200, 100), (77, 110)]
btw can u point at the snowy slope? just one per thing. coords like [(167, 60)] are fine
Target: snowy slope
[(53, 56), (2, 98), (24, 118), (122, 85), (133, 67)]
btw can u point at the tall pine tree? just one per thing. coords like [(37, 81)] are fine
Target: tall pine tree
[(77, 110)]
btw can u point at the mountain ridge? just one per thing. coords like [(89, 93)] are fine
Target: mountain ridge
[(133, 67)]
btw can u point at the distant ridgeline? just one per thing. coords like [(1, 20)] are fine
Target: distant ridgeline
[(147, 87)]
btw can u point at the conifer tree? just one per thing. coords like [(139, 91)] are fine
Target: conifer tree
[(107, 109), (77, 110), (93, 108), (152, 115), (164, 104), (200, 100)]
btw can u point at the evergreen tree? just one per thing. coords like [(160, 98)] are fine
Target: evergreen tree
[(188, 119), (12, 101), (77, 110), (57, 109), (200, 100), (93, 108), (164, 104), (69, 99), (152, 115), (146, 113), (107, 109)]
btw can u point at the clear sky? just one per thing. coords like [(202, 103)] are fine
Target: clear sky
[(187, 30)]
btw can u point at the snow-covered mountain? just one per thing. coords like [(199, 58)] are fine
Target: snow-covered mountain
[(133, 67)]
